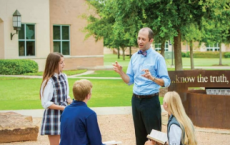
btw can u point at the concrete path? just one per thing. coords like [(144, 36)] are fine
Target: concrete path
[(98, 110), (206, 67), (110, 67), (85, 73)]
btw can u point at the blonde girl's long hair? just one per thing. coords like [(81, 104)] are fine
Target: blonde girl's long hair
[(52, 63), (175, 107)]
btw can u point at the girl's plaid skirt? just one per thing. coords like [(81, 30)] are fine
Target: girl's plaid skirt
[(51, 122)]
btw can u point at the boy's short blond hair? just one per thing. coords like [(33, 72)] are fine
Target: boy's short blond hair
[(81, 89)]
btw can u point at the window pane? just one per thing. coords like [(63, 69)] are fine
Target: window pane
[(21, 47), (56, 32), (29, 31), (166, 45), (157, 45), (65, 48), (57, 46), (21, 33), (65, 32), (30, 48)]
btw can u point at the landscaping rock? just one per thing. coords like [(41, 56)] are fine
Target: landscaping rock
[(15, 127)]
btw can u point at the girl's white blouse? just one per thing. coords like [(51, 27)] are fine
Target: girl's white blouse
[(47, 95), (175, 133)]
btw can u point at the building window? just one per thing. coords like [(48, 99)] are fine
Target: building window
[(26, 39), (212, 47), (61, 42), (158, 46)]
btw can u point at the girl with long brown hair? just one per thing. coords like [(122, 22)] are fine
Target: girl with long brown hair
[(180, 129), (54, 94)]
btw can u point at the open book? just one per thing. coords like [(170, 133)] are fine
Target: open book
[(112, 142), (158, 136)]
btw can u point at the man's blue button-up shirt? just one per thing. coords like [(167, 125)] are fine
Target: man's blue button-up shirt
[(155, 63)]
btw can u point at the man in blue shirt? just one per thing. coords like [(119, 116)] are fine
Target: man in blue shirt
[(148, 72), (78, 122)]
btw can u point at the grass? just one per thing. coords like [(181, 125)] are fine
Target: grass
[(67, 72), (109, 73), (23, 93), (201, 61), (109, 59)]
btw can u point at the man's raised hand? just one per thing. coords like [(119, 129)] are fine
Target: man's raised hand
[(117, 68), (147, 74)]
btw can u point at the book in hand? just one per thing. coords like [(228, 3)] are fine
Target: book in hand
[(113, 142), (158, 136)]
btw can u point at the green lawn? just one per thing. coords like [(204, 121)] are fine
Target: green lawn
[(202, 61), (19, 93), (110, 73), (109, 59), (23, 93)]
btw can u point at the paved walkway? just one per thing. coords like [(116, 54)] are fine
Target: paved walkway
[(98, 110), (110, 67)]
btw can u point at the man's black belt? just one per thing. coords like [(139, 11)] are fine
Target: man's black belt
[(146, 96)]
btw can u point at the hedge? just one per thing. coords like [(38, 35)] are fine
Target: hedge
[(227, 55), (17, 66), (207, 54)]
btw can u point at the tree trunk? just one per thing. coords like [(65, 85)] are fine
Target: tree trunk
[(177, 51), (118, 53), (220, 60), (130, 51), (163, 48), (191, 55), (123, 50)]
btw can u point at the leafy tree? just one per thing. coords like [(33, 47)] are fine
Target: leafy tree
[(167, 18), (107, 26), (218, 30), (193, 35)]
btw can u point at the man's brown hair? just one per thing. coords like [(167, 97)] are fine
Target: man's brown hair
[(151, 34), (81, 89)]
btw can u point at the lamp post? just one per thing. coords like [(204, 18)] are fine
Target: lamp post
[(172, 52), (16, 22)]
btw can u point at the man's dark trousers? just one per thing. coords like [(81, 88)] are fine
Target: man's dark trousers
[(146, 116)]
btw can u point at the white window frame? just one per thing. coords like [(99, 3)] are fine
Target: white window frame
[(212, 47), (159, 48), (25, 40), (61, 40)]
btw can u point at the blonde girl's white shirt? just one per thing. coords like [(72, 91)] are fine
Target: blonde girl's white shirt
[(175, 133), (47, 95)]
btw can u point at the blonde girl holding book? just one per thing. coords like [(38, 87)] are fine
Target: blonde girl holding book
[(180, 129)]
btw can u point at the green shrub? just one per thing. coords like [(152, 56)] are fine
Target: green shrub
[(187, 54), (183, 54), (17, 66), (207, 54), (226, 54)]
